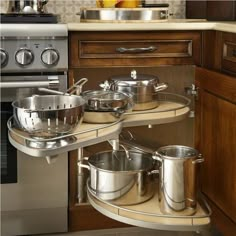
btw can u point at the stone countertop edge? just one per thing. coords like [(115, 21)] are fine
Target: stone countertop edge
[(170, 25)]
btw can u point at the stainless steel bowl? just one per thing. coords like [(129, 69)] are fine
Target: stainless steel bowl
[(48, 115)]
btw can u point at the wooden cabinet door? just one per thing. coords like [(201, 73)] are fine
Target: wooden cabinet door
[(216, 140), (211, 10)]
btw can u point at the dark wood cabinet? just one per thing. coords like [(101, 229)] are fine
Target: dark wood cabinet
[(215, 126), (216, 131), (211, 10), (219, 51), (105, 49)]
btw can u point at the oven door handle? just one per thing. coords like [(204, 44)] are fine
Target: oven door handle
[(53, 82)]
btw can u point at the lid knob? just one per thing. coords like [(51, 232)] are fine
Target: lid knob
[(133, 74)]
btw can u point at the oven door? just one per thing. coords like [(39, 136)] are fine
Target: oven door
[(13, 87), (34, 196), (8, 165), (16, 86)]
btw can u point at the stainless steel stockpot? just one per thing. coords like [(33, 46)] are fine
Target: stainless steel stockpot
[(123, 178), (144, 88), (178, 179)]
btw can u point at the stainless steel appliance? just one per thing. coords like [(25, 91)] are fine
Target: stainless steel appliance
[(27, 6), (28, 11), (34, 194)]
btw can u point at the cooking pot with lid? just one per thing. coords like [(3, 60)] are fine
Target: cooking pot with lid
[(121, 177), (105, 106), (144, 88)]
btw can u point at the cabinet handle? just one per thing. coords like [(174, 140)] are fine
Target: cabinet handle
[(136, 50), (234, 53)]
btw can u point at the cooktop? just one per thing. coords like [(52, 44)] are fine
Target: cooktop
[(28, 18)]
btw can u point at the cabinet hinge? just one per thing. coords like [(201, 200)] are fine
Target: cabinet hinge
[(193, 91)]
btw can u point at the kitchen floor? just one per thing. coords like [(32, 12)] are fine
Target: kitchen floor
[(135, 231)]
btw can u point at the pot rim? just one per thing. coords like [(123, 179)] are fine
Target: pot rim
[(123, 171), (195, 153)]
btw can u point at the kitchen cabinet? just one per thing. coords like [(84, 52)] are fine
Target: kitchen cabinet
[(216, 138), (211, 10), (95, 50), (149, 48), (219, 51)]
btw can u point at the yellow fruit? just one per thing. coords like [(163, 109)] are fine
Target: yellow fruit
[(109, 3), (128, 3)]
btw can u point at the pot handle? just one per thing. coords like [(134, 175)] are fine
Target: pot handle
[(77, 87), (198, 160), (161, 87), (105, 85), (153, 172), (80, 164), (156, 156)]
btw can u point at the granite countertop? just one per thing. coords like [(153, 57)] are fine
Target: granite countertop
[(182, 24)]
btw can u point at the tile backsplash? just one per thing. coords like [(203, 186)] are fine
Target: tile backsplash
[(67, 9)]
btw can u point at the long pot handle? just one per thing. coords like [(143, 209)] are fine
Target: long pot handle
[(161, 87), (77, 87)]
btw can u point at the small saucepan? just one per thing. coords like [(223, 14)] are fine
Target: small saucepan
[(105, 106)]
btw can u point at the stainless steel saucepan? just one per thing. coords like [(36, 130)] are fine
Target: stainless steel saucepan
[(144, 88), (105, 106), (101, 106), (122, 178)]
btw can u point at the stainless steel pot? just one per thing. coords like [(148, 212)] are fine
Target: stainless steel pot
[(178, 179), (27, 6), (99, 100), (144, 88), (123, 178), (105, 106)]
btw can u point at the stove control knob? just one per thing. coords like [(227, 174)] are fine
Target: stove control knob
[(50, 56), (24, 56), (4, 57)]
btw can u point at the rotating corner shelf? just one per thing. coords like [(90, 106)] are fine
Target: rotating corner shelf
[(172, 108), (148, 214)]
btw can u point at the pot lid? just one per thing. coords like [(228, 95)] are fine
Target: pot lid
[(101, 100), (135, 79)]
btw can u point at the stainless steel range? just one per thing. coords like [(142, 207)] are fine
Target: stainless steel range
[(34, 194)]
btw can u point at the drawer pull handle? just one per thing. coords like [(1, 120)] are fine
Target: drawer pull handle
[(136, 50)]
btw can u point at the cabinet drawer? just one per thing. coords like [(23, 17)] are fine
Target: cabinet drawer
[(229, 52), (93, 49)]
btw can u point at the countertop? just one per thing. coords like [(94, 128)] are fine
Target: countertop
[(183, 24)]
